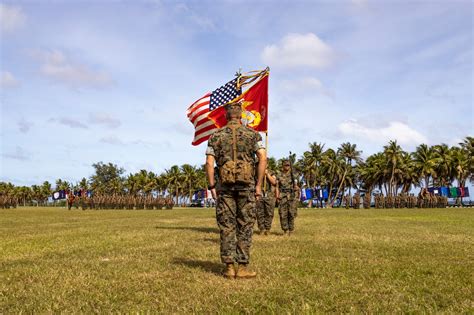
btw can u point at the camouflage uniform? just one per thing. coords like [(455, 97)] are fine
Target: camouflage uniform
[(356, 201), (347, 201), (367, 199), (389, 202), (266, 208), (287, 209), (235, 208)]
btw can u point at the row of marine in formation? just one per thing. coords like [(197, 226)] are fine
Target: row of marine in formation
[(403, 200), (7, 202), (119, 202)]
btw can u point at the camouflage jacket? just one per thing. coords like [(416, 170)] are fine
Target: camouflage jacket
[(220, 145), (284, 182)]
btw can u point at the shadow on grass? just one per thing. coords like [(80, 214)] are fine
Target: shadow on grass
[(189, 228), (207, 266)]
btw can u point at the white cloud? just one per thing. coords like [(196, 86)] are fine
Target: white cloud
[(299, 50), (395, 130), (7, 80), (57, 66), (306, 84), (11, 18), (104, 119)]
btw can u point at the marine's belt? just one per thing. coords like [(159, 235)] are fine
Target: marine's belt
[(236, 188), (286, 190)]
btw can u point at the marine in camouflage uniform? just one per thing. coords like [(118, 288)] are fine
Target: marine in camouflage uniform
[(396, 202), (377, 201), (356, 201), (389, 202), (235, 149), (367, 199), (286, 195), (347, 201), (403, 200), (266, 205)]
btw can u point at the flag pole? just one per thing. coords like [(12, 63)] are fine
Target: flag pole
[(266, 143), (265, 176), (267, 70)]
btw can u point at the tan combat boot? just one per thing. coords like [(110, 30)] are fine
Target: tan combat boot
[(244, 273), (229, 271)]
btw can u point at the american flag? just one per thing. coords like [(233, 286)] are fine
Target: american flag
[(198, 112)]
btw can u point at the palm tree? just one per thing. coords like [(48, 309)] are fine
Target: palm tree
[(83, 184), (443, 167), (24, 193), (393, 154), (62, 185), (131, 184), (7, 189), (425, 162), (373, 171), (408, 176), (173, 176), (460, 165), (468, 146), (349, 153), (46, 191), (311, 162), (189, 177)]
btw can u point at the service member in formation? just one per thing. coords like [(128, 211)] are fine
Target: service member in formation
[(286, 193), (266, 205), (235, 149)]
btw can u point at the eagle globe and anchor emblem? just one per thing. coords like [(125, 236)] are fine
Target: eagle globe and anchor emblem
[(251, 118)]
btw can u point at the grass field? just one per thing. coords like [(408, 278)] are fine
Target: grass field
[(399, 260)]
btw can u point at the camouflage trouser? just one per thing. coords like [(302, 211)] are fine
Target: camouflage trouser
[(287, 212), (235, 214), (265, 210)]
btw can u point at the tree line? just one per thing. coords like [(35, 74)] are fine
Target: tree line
[(392, 171)]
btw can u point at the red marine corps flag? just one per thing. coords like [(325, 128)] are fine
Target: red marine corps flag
[(207, 114)]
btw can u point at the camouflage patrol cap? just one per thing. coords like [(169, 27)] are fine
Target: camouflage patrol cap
[(234, 103)]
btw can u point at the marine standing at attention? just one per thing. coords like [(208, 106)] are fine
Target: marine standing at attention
[(286, 194), (235, 149), (266, 205)]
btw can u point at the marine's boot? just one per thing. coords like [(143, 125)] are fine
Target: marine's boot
[(266, 232), (229, 271), (244, 273)]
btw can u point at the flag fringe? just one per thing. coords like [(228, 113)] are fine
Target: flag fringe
[(251, 76)]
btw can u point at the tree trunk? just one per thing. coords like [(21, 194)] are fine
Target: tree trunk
[(330, 192), (390, 186), (339, 189)]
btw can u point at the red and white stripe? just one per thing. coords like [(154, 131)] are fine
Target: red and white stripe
[(197, 114)]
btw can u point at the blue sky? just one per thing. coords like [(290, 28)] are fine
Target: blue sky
[(89, 81)]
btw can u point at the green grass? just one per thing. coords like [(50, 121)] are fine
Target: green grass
[(399, 260)]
